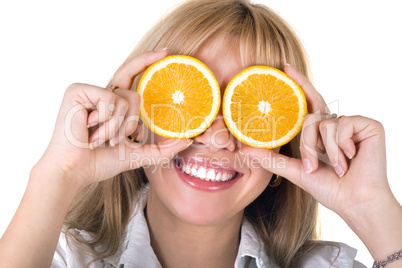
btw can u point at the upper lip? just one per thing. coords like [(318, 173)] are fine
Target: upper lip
[(207, 162)]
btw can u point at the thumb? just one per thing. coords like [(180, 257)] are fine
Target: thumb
[(282, 165), (154, 154)]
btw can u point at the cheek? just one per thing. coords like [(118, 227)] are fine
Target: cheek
[(257, 182), (261, 178), (259, 173)]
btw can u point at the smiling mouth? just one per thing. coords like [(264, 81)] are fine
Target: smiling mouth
[(205, 170)]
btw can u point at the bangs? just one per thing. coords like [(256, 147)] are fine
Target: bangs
[(262, 36)]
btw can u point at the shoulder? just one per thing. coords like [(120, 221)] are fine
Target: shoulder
[(329, 254), (71, 254), (135, 249)]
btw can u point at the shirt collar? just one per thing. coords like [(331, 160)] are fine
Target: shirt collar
[(136, 250), (252, 250)]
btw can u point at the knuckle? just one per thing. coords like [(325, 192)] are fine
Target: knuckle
[(343, 121), (73, 87), (311, 118), (378, 128), (123, 105), (302, 149), (130, 127), (134, 96), (378, 125), (323, 126), (108, 97)]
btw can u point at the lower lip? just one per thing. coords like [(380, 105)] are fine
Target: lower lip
[(206, 185)]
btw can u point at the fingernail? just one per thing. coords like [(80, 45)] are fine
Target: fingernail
[(287, 64), (348, 154), (189, 142), (339, 171), (308, 166), (95, 144), (241, 153), (115, 140), (159, 49), (91, 125)]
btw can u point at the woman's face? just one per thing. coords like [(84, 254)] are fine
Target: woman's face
[(214, 154)]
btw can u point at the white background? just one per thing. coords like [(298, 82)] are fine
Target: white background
[(354, 47)]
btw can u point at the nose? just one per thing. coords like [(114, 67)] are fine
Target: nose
[(216, 137)]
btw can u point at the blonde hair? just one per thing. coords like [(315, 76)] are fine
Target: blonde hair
[(285, 217)]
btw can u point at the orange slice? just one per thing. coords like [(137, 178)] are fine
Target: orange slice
[(263, 107), (180, 97)]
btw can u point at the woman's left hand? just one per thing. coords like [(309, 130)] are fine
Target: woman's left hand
[(343, 159), (343, 165)]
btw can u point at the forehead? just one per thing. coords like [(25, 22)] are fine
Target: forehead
[(222, 56)]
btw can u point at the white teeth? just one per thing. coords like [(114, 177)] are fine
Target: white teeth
[(207, 174), (187, 169), (211, 175), (225, 176), (194, 171), (202, 173)]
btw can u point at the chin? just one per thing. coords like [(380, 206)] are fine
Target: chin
[(199, 218), (185, 192), (204, 212), (187, 204)]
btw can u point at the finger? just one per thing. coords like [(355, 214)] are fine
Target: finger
[(79, 101), (125, 75), (102, 113), (91, 98), (111, 126), (138, 134), (135, 155), (345, 135), (359, 130), (130, 123), (290, 168), (165, 149), (287, 167), (310, 142), (320, 146), (315, 101), (329, 130)]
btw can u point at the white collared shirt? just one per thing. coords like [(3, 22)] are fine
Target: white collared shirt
[(136, 250)]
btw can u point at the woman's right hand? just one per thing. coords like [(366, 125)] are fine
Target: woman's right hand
[(89, 141), (77, 157)]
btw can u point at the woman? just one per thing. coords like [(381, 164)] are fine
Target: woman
[(144, 217)]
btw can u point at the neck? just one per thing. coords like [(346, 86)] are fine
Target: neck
[(181, 244)]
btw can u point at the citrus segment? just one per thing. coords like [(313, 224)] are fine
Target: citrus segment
[(180, 97), (263, 107)]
